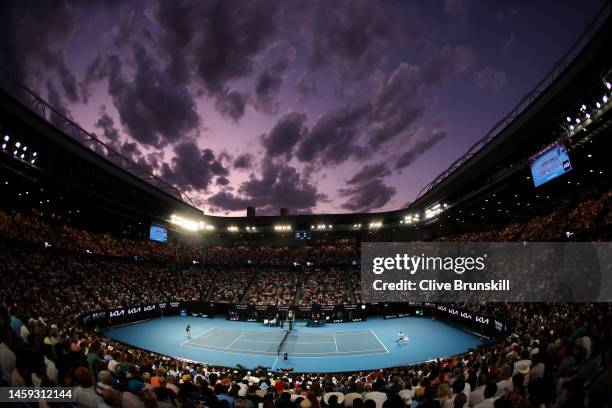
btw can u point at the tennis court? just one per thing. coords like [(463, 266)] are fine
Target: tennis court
[(331, 348), (260, 343)]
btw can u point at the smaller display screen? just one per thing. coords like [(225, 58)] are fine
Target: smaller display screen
[(159, 234), (550, 163), (303, 235)]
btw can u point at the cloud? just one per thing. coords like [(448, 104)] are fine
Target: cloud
[(333, 137), (231, 103), (243, 161), (32, 32), (456, 8), (445, 62), (489, 78), (55, 99), (508, 44), (217, 40), (396, 103), (280, 185), (370, 171), (367, 196), (222, 181), (268, 84), (306, 88), (107, 125), (355, 37), (285, 134), (192, 167), (421, 141), (154, 110)]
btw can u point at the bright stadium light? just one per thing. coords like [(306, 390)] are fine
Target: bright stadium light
[(608, 85), (6, 138), (569, 119), (282, 227), (17, 144), (187, 223), (3, 146), (434, 210), (410, 219), (375, 224), (583, 107), (356, 226), (605, 99), (233, 228), (598, 105)]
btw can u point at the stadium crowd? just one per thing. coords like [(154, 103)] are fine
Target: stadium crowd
[(556, 355)]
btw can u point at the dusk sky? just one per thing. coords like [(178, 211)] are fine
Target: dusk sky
[(317, 106)]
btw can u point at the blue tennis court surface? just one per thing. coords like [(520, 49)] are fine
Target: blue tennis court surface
[(258, 343), (334, 347)]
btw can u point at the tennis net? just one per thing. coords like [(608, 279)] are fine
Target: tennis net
[(280, 345)]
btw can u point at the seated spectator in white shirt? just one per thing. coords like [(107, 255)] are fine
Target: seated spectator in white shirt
[(489, 395), (477, 395)]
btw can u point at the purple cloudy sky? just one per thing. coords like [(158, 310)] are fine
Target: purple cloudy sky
[(318, 106)]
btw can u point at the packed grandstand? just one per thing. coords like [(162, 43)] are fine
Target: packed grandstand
[(74, 245)]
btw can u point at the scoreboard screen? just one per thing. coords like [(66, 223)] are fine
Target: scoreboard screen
[(303, 235), (158, 233), (549, 163)]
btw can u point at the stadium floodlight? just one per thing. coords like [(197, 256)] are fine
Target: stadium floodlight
[(434, 211), (375, 224), (15, 152), (577, 120), (605, 99), (608, 85), (410, 219), (583, 107), (3, 146), (569, 119), (598, 105), (233, 228), (571, 127), (186, 223), (22, 156), (17, 144), (6, 138), (588, 115), (34, 154), (282, 227), (356, 226)]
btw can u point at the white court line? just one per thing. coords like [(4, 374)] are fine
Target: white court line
[(190, 339), (336, 343), (272, 354), (287, 342), (236, 350), (381, 343), (265, 333), (235, 340)]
